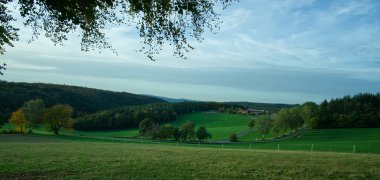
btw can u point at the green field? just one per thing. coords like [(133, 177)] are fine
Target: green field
[(221, 125), (218, 124), (253, 135), (40, 157), (365, 140)]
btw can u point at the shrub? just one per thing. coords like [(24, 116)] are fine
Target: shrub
[(233, 137)]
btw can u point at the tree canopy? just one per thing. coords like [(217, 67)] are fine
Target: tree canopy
[(57, 117), (18, 120), (33, 110), (157, 21), (202, 133)]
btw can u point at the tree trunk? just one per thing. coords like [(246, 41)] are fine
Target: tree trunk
[(55, 131)]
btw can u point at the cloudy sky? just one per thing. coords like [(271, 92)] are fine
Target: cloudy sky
[(282, 51)]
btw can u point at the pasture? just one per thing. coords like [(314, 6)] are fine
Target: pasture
[(42, 156), (218, 124)]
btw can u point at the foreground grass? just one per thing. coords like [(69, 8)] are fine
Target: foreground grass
[(30, 157)]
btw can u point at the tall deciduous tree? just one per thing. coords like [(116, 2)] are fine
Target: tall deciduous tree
[(18, 121), (187, 130), (33, 111), (147, 127), (264, 124), (202, 133), (57, 117), (166, 131)]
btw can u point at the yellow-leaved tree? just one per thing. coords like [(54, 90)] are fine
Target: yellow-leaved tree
[(57, 117), (18, 121)]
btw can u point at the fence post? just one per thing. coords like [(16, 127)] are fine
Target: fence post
[(250, 146), (278, 147), (353, 151), (222, 146), (312, 147)]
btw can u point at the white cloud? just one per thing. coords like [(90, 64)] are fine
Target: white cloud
[(235, 19), (16, 65)]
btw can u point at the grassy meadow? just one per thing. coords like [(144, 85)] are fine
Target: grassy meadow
[(40, 157), (218, 124)]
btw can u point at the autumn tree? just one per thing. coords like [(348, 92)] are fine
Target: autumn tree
[(33, 111), (57, 117), (18, 121), (202, 133), (157, 21)]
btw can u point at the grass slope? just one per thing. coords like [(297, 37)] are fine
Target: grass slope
[(365, 140), (218, 124), (29, 157)]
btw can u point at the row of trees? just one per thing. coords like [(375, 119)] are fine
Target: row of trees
[(151, 129), (34, 113), (287, 119), (131, 116), (359, 111)]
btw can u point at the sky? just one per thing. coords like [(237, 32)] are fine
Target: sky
[(273, 51)]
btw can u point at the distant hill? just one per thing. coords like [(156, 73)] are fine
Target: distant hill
[(174, 100), (271, 107), (83, 100)]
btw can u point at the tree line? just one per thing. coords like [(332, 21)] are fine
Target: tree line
[(358, 111), (33, 113), (131, 116), (286, 120), (151, 129)]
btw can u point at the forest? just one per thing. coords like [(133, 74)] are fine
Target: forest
[(83, 100), (131, 116), (358, 111)]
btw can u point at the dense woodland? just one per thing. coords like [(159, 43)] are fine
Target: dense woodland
[(359, 111), (131, 116), (83, 100)]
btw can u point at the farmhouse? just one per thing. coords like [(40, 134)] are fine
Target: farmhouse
[(255, 111)]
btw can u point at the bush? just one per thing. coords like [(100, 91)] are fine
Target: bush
[(8, 131), (233, 137)]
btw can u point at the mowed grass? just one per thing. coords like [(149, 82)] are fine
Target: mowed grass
[(358, 140), (255, 135), (219, 125), (30, 157), (363, 140), (116, 133), (70, 132)]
